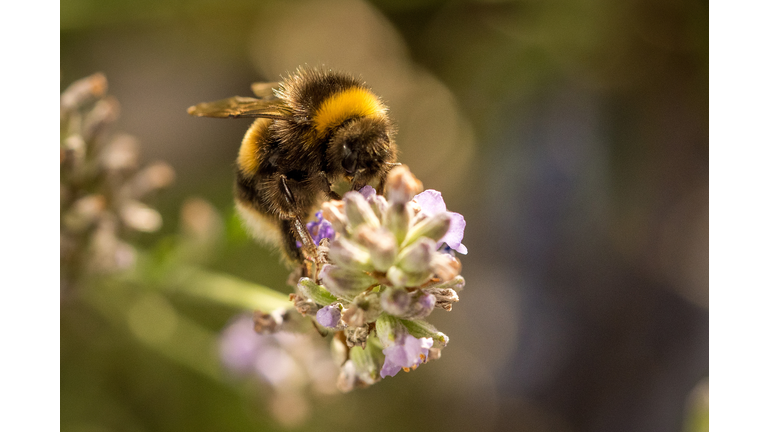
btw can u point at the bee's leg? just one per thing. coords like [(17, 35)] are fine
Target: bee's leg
[(304, 237), (292, 250), (298, 228), (327, 187)]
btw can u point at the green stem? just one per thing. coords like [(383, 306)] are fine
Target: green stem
[(226, 289)]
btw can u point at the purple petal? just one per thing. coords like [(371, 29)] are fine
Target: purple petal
[(427, 302), (367, 191), (239, 345), (407, 352), (324, 230), (329, 316), (389, 368), (431, 202), (455, 233), (319, 229)]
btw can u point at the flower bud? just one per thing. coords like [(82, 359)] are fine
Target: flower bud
[(83, 90), (380, 243), (329, 316), (344, 283), (333, 212), (347, 254), (315, 292), (356, 336), (358, 211), (422, 304), (388, 328), (379, 205), (104, 112), (445, 266), (84, 213), (353, 316), (402, 186), (397, 277), (445, 297), (402, 304), (416, 258), (456, 284), (303, 305), (156, 176), (368, 192), (367, 363), (400, 278), (433, 227), (395, 301), (364, 309), (420, 328), (348, 380), (74, 149), (397, 219), (121, 154), (140, 217)]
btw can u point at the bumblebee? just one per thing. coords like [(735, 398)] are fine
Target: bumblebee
[(314, 128)]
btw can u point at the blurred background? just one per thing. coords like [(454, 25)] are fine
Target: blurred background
[(572, 135)]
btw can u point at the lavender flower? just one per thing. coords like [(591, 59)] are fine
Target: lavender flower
[(407, 353), (319, 229), (431, 203), (382, 274)]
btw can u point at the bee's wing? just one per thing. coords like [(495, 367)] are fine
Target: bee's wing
[(264, 90), (238, 106)]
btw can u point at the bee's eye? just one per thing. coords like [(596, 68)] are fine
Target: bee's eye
[(350, 161)]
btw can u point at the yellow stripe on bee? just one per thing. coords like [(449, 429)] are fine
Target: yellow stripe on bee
[(352, 102), (248, 156)]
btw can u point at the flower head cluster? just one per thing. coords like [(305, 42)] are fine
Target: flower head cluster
[(390, 264), (102, 184)]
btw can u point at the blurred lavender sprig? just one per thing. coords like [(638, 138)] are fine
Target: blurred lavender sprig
[(104, 190), (103, 187), (293, 365)]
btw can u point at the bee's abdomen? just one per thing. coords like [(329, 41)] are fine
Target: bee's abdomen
[(252, 150), (251, 191), (255, 200)]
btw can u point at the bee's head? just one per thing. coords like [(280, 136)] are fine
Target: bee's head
[(360, 149)]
